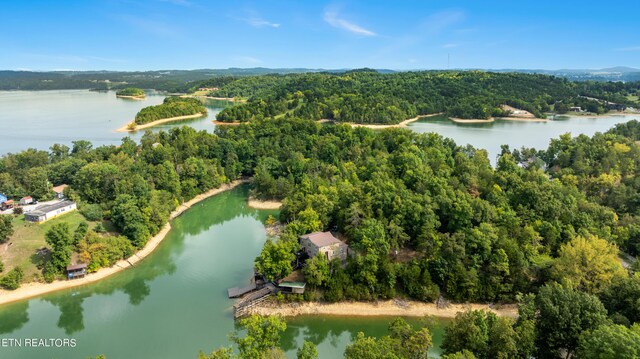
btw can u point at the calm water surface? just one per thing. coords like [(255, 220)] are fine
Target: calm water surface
[(173, 303), (516, 134), (38, 119)]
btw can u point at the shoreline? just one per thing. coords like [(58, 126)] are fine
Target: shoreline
[(260, 204), (220, 123), (141, 97), (125, 128), (471, 120), (230, 99), (606, 115), (380, 126), (493, 119), (34, 289), (402, 308)]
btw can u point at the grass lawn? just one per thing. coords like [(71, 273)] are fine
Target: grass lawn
[(28, 237), (632, 98)]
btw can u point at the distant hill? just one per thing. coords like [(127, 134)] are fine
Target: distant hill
[(184, 80)]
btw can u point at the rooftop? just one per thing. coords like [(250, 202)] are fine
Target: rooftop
[(77, 267), (50, 207), (60, 188), (321, 239), (292, 284)]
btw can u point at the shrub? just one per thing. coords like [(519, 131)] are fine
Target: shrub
[(12, 279), (92, 212)]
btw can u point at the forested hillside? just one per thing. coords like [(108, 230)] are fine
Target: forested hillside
[(170, 107), (366, 96), (425, 216)]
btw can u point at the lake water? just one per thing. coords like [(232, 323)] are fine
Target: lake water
[(174, 303), (516, 134), (38, 119)]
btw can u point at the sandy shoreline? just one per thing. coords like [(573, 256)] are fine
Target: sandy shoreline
[(219, 123), (471, 120), (29, 290), (141, 97), (259, 204), (378, 127), (610, 114), (403, 308), (125, 128), (231, 99)]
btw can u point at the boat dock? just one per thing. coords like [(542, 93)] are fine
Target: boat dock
[(244, 306)]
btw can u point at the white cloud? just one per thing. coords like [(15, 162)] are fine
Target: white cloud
[(630, 48), (258, 22), (331, 17)]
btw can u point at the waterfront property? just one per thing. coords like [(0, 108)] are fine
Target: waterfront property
[(59, 190), (26, 200), (76, 271), (325, 243), (48, 211)]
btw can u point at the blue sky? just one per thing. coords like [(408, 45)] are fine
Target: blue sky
[(192, 34)]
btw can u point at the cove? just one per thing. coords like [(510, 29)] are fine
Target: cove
[(173, 303)]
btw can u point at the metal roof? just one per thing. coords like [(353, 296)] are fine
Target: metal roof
[(292, 284), (44, 209), (321, 239), (77, 266)]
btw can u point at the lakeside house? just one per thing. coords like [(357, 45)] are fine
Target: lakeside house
[(325, 243), (48, 211), (76, 271), (59, 190), (26, 200)]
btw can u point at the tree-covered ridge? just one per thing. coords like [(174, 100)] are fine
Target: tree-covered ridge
[(366, 96), (427, 217), (131, 91), (170, 107)]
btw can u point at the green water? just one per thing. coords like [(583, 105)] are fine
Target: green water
[(38, 119), (172, 304)]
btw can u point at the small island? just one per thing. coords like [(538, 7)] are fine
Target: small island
[(172, 109), (131, 92)]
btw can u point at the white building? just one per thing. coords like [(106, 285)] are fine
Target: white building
[(48, 211)]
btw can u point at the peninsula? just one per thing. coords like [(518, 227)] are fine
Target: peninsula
[(171, 109)]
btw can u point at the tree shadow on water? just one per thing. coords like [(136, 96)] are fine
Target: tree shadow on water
[(13, 317)]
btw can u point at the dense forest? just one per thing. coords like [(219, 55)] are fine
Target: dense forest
[(130, 91), (170, 107), (426, 217), (367, 96), (162, 80)]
